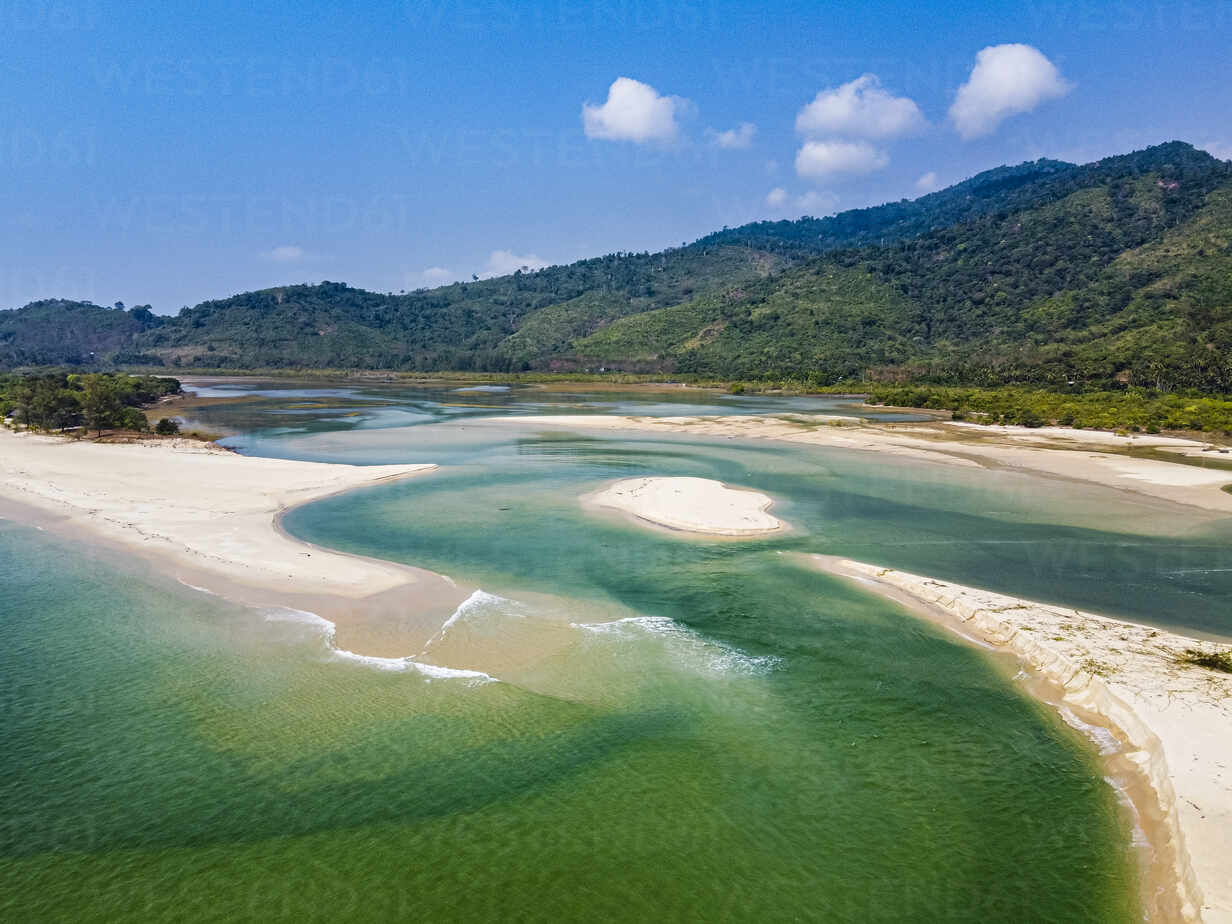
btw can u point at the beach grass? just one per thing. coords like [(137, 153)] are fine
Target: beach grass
[(1213, 660)]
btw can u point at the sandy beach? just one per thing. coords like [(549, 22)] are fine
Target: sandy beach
[(1076, 455), (695, 505), (1172, 721), (209, 516)]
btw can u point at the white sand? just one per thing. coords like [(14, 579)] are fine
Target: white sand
[(210, 512), (697, 505), (1077, 455), (1174, 720)]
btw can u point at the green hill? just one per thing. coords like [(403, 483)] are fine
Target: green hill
[(1041, 273), (1124, 276), (56, 332)]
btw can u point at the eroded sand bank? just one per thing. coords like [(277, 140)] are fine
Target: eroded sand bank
[(1173, 719)]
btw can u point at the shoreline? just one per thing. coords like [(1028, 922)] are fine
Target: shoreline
[(211, 519), (185, 508), (1073, 455), (1172, 722)]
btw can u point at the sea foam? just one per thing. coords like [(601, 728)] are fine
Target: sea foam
[(476, 603), (1105, 741), (200, 590), (690, 648), (328, 631)]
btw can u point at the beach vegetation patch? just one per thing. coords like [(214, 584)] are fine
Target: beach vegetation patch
[(1212, 660), (59, 402)]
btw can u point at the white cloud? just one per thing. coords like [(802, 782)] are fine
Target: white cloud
[(817, 159), (815, 202), (284, 253), (927, 183), (504, 262), (437, 275), (634, 111), (740, 137), (1219, 149), (861, 109), (1006, 80), (777, 197)]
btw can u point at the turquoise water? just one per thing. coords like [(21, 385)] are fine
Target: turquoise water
[(750, 741)]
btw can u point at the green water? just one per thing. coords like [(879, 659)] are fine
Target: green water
[(751, 742)]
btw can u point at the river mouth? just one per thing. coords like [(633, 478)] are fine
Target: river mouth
[(664, 727)]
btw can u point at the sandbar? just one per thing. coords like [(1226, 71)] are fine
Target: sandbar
[(1075, 455), (695, 505)]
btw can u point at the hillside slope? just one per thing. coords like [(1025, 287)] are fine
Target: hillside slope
[(1126, 276), (1043, 272), (57, 332)]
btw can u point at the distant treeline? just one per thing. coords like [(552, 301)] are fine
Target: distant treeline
[(57, 401), (1133, 410)]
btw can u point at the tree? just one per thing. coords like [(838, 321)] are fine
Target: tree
[(46, 402), (100, 402), (167, 427)]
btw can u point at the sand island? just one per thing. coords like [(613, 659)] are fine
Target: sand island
[(695, 505)]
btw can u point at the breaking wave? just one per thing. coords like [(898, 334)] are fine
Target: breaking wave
[(429, 672), (476, 603), (691, 649)]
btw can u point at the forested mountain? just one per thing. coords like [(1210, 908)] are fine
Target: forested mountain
[(1127, 277), (56, 332), (1046, 272)]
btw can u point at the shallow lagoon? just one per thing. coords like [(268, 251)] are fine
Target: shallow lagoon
[(750, 741)]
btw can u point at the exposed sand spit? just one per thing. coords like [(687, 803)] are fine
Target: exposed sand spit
[(212, 516)]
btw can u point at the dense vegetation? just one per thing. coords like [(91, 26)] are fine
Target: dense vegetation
[(97, 401), (1000, 189), (1108, 275), (1133, 409), (495, 324), (1127, 279), (56, 332)]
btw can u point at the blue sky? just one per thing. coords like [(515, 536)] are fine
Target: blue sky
[(167, 153)]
